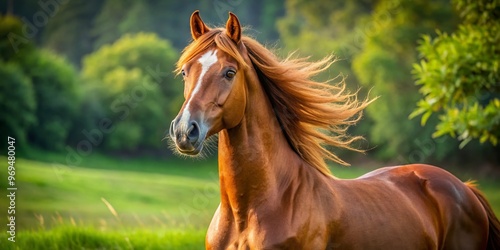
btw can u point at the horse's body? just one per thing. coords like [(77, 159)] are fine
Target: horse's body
[(273, 196), (395, 208)]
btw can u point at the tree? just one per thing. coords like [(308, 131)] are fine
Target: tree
[(459, 75), (105, 27), (375, 44), (145, 51), (69, 31), (13, 44), (384, 64), (39, 91), (321, 28), (132, 81), (17, 103), (57, 96), (137, 19)]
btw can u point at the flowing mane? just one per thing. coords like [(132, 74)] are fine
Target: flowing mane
[(313, 115)]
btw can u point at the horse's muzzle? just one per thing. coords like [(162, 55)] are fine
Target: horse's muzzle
[(188, 138)]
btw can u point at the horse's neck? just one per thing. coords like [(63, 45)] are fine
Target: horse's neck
[(254, 158)]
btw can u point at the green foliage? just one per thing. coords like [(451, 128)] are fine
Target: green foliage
[(146, 121), (17, 103), (384, 64), (481, 12), (55, 84), (375, 42), (459, 76), (107, 22), (13, 44), (138, 19), (69, 31), (142, 51), (80, 27), (39, 96), (132, 81), (320, 28), (306, 32), (17, 99)]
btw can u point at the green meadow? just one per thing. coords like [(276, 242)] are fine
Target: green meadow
[(111, 203)]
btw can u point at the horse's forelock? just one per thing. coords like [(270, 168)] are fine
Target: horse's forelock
[(213, 38)]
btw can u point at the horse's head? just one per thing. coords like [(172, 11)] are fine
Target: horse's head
[(212, 67)]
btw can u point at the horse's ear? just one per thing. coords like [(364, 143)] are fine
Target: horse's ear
[(233, 28), (198, 27)]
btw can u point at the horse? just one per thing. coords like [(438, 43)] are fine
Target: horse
[(275, 126)]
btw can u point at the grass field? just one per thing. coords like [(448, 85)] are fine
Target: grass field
[(107, 203), (143, 194), (86, 238)]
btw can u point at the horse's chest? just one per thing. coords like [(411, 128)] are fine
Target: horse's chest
[(251, 239), (259, 234)]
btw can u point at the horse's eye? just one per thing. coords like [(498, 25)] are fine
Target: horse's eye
[(230, 74), (183, 73)]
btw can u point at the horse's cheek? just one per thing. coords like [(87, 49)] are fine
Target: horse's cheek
[(234, 106)]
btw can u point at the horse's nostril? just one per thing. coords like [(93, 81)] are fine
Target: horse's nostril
[(171, 131), (193, 132)]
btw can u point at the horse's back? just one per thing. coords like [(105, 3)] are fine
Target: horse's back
[(417, 203)]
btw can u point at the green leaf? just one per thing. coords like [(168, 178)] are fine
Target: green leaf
[(416, 113), (494, 140), (425, 117), (484, 138), (464, 143)]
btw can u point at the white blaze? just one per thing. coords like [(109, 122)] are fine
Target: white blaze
[(206, 60)]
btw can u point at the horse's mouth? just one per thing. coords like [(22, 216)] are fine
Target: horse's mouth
[(192, 151)]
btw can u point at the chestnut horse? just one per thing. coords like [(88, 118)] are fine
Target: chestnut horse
[(274, 124)]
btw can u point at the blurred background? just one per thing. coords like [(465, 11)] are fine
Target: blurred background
[(88, 92)]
